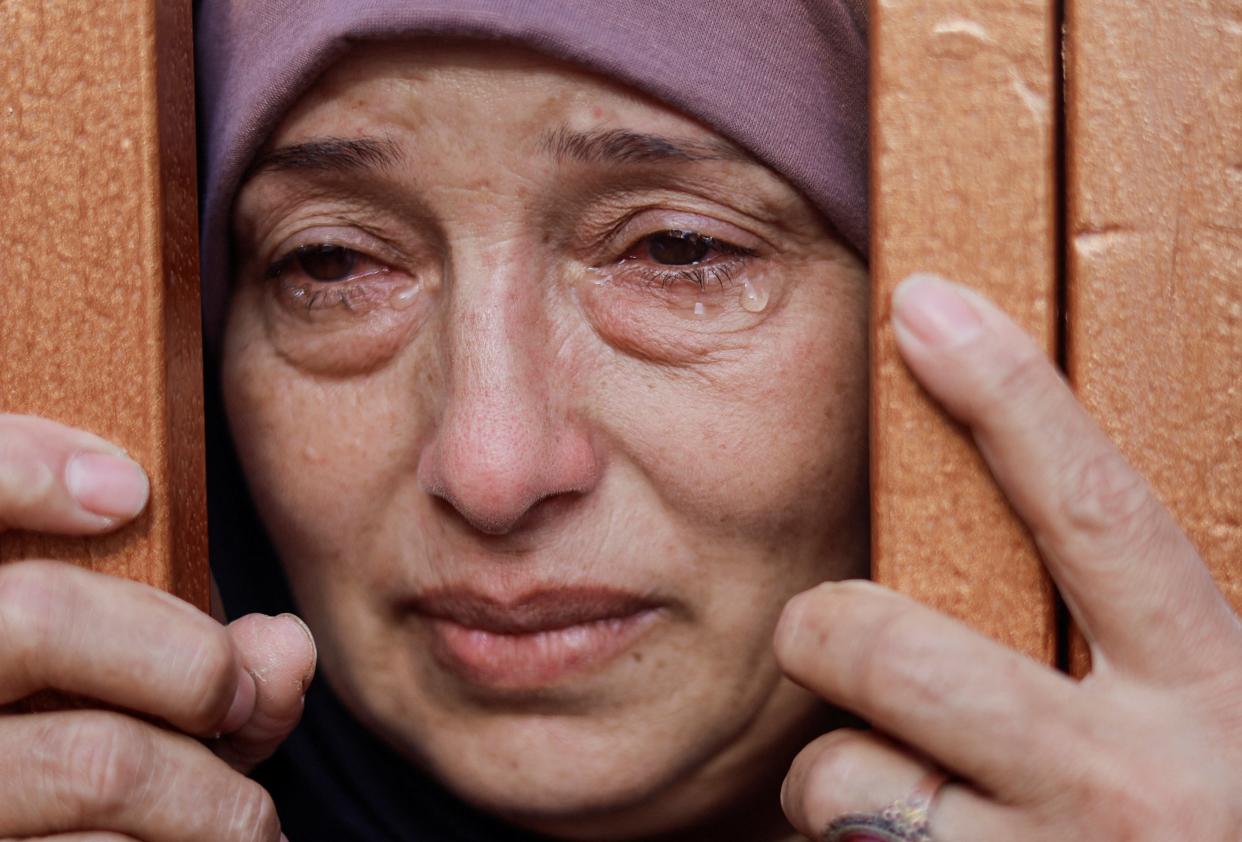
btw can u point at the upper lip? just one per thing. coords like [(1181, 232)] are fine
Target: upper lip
[(544, 609)]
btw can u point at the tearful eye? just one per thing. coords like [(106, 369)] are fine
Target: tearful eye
[(678, 248), (326, 262)]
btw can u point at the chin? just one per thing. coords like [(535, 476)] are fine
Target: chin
[(557, 771), (609, 761), (576, 779)]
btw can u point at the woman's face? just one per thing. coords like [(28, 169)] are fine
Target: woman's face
[(550, 398)]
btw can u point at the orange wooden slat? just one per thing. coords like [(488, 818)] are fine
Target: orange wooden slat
[(964, 185), (99, 310), (1154, 211)]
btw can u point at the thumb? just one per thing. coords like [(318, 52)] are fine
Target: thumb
[(278, 653)]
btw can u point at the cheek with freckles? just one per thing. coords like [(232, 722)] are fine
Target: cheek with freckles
[(766, 437), (323, 460), (321, 453)]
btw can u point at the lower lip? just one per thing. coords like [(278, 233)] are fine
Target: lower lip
[(537, 659)]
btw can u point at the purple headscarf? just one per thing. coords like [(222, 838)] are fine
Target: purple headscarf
[(785, 79)]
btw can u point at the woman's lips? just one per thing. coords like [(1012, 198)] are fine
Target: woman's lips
[(536, 640)]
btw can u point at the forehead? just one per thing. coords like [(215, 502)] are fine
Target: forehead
[(440, 88), (398, 123)]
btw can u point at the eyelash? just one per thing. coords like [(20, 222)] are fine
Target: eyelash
[(313, 294), (721, 273), (281, 265), (315, 300)]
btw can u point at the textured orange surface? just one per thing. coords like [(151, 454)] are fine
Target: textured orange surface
[(964, 185), (1154, 118), (99, 312)]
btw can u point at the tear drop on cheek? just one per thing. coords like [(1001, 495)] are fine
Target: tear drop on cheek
[(755, 294), (404, 298)]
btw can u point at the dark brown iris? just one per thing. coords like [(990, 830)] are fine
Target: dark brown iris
[(327, 262), (678, 248)]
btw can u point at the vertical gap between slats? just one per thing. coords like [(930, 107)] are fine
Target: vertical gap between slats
[(1062, 619)]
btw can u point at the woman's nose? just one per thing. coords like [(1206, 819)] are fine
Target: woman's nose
[(506, 444)]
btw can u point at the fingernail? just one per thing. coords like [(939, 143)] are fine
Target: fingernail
[(107, 485), (306, 680), (305, 630), (935, 311), (242, 707)]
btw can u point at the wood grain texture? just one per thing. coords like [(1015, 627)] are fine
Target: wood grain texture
[(99, 307), (1154, 211), (963, 185)]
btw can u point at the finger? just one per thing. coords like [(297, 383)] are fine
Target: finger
[(981, 710), (119, 642), (69, 772), (57, 479), (849, 772), (1122, 563), (279, 653)]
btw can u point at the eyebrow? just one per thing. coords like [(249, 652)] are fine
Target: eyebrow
[(619, 146), (615, 146), (330, 155)]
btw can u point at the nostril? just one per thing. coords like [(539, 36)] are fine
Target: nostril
[(500, 514), (488, 519), (502, 521)]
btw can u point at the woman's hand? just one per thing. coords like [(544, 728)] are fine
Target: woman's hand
[(1147, 747), (226, 697)]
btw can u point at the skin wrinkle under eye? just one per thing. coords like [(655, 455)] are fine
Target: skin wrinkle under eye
[(704, 334), (358, 295), (720, 274), (682, 345)]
